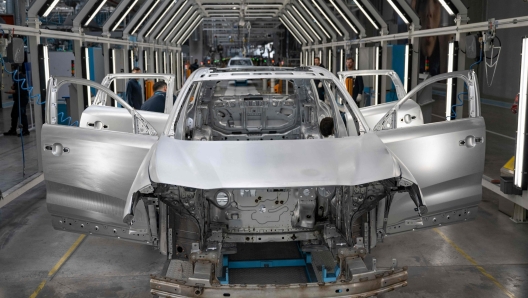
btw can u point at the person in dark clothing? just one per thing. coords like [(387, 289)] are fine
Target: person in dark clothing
[(134, 95), (355, 85), (157, 102), (20, 101), (327, 127), (319, 84), (195, 65)]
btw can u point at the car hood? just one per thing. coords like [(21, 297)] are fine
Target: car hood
[(277, 163)]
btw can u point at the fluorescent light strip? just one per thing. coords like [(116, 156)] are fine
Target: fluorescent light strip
[(344, 17), (114, 84), (313, 57), (356, 61), (95, 12), (366, 14), (376, 86), (193, 26), (131, 60), (145, 60), (342, 57), (264, 5), (330, 60), (259, 17), (171, 68), (521, 124), (406, 70), (145, 16), (327, 18), (299, 26), (306, 57), (307, 24), (400, 13), (293, 29), (446, 7), (314, 19), (124, 15), (87, 70), (179, 22), (156, 66), (287, 27), (172, 19), (449, 90), (50, 8), (164, 62), (177, 26), (160, 18), (300, 59), (46, 63)]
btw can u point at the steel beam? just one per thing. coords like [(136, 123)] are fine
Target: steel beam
[(299, 11), (317, 18), (77, 26), (186, 35), (374, 13), (33, 42), (330, 14), (180, 29), (153, 18), (342, 7), (293, 29), (175, 30), (168, 19)]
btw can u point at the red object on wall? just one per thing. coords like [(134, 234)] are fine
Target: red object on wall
[(8, 18)]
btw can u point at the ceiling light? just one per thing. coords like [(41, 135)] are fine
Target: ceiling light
[(446, 7), (314, 19), (145, 16), (398, 11), (193, 26), (366, 14), (160, 18), (177, 26), (50, 8), (307, 24), (293, 29), (344, 17), (172, 19), (95, 12), (124, 15), (291, 32), (327, 18), (299, 26)]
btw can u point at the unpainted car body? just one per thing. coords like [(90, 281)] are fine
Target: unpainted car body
[(238, 165)]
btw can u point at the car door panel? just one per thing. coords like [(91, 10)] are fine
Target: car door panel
[(88, 175), (373, 114), (447, 169)]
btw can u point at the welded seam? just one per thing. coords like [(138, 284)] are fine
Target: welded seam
[(59, 264), (472, 261)]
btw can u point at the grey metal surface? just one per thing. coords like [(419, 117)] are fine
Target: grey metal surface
[(118, 119), (179, 269), (320, 259), (275, 275)]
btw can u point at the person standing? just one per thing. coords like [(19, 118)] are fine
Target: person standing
[(134, 94), (195, 65), (355, 85), (20, 101), (157, 102), (319, 84)]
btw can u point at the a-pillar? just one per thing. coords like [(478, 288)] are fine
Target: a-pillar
[(77, 103)]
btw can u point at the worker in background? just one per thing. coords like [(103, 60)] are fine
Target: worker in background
[(327, 127), (133, 91), (157, 102), (355, 85), (195, 65), (20, 101), (319, 84)]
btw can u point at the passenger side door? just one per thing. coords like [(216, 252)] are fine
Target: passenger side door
[(445, 158), (89, 172)]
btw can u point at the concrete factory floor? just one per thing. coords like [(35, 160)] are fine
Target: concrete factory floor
[(483, 258)]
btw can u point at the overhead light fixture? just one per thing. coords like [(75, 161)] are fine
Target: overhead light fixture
[(307, 24), (264, 5), (95, 12), (300, 60), (287, 27), (356, 61), (173, 17), (164, 62), (145, 61), (445, 4), (86, 75), (330, 60), (124, 15), (360, 6), (344, 17), (314, 19), (313, 57), (160, 18), (234, 7), (342, 56), (520, 152), (132, 59), (145, 16), (293, 29), (407, 66), (49, 8), (113, 86), (399, 11), (377, 53), (299, 26), (451, 64), (156, 65), (177, 26), (327, 18), (171, 63), (191, 28)]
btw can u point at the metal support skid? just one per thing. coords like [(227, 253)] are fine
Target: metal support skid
[(354, 275)]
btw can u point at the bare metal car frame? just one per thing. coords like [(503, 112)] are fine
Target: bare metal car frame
[(119, 177)]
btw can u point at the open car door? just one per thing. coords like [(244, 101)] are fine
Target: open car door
[(89, 170), (445, 158)]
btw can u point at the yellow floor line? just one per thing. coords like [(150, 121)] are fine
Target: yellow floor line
[(58, 265), (472, 261)]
